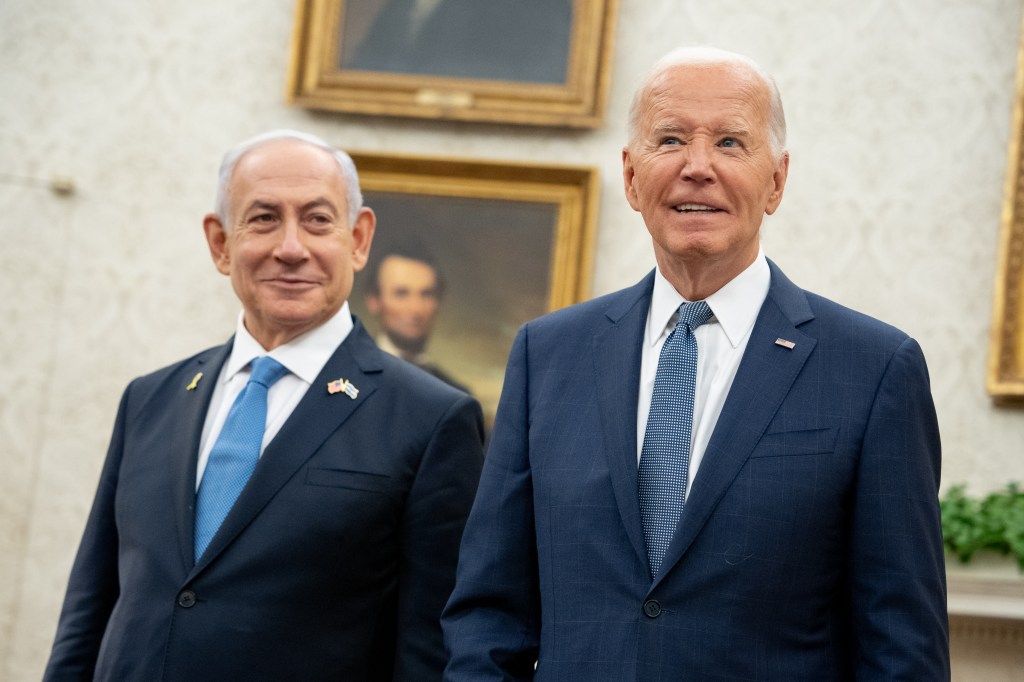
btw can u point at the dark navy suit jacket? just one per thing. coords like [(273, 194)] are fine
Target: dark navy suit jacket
[(334, 562), (810, 545)]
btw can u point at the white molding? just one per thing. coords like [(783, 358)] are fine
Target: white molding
[(988, 587)]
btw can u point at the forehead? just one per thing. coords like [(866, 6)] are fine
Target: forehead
[(716, 94), (399, 270), (282, 169)]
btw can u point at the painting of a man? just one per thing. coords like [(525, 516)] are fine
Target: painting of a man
[(525, 41), (405, 295)]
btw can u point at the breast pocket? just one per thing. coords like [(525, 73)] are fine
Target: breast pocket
[(350, 480), (811, 441)]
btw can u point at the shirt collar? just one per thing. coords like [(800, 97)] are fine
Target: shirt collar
[(734, 306), (304, 356)]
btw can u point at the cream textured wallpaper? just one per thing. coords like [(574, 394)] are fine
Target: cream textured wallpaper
[(899, 122)]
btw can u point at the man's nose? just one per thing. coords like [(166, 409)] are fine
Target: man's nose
[(291, 247), (414, 310), (697, 165)]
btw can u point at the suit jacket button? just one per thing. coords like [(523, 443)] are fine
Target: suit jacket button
[(187, 599), (652, 608)]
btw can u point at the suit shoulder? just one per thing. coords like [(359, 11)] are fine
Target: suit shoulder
[(183, 371), (418, 401), (582, 317), (840, 321), (408, 378)]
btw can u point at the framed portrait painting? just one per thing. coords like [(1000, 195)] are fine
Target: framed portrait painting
[(539, 62), (1006, 358), (464, 253)]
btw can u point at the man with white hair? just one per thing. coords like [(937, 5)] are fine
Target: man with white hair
[(713, 474), (287, 506)]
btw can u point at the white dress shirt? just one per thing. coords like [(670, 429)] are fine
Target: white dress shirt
[(304, 357), (720, 345)]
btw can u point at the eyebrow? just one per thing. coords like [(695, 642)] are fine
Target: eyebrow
[(318, 203), (259, 205), (732, 130), (666, 128)]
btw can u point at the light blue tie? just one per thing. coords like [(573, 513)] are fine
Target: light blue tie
[(665, 455), (233, 457)]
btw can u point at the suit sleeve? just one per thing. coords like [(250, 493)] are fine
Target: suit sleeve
[(434, 518), (897, 573), (492, 621), (93, 585)]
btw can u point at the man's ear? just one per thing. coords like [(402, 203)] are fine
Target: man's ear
[(778, 184), (362, 237), (628, 174), (217, 240)]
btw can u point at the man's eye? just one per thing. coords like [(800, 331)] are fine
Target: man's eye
[(729, 142), (318, 221), (671, 140), (262, 218)]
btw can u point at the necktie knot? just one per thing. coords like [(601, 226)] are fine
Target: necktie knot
[(266, 371), (693, 314)]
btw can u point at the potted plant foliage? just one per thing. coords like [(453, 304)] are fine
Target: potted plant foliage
[(994, 523)]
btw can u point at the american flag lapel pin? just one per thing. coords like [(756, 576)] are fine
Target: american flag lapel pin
[(343, 386), (785, 343)]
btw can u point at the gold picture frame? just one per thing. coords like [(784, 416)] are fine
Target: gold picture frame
[(546, 62), (1006, 357), (509, 241)]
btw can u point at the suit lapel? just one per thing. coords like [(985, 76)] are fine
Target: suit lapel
[(764, 378), (617, 372), (315, 418), (193, 404)]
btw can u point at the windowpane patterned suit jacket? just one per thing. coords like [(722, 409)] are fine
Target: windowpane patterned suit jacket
[(810, 546)]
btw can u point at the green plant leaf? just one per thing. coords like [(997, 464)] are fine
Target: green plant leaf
[(994, 523)]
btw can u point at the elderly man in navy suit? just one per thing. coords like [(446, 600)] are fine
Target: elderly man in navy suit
[(713, 474), (287, 506)]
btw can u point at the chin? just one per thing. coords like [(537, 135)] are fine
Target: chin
[(409, 344), (696, 248), (299, 317)]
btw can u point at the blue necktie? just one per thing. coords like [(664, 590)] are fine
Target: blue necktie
[(233, 457), (665, 455)]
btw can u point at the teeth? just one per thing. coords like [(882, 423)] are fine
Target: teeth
[(682, 208)]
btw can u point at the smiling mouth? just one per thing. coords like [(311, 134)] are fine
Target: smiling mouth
[(290, 282), (696, 208)]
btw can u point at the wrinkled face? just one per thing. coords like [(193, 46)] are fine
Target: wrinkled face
[(290, 252), (700, 169), (406, 301)]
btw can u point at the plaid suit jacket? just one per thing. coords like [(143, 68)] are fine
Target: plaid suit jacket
[(810, 546)]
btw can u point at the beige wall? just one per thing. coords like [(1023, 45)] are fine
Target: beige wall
[(899, 121)]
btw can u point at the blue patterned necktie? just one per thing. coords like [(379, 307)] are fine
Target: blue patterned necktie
[(665, 455), (233, 457)]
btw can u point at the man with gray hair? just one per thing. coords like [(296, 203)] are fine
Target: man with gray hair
[(713, 474), (288, 505)]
